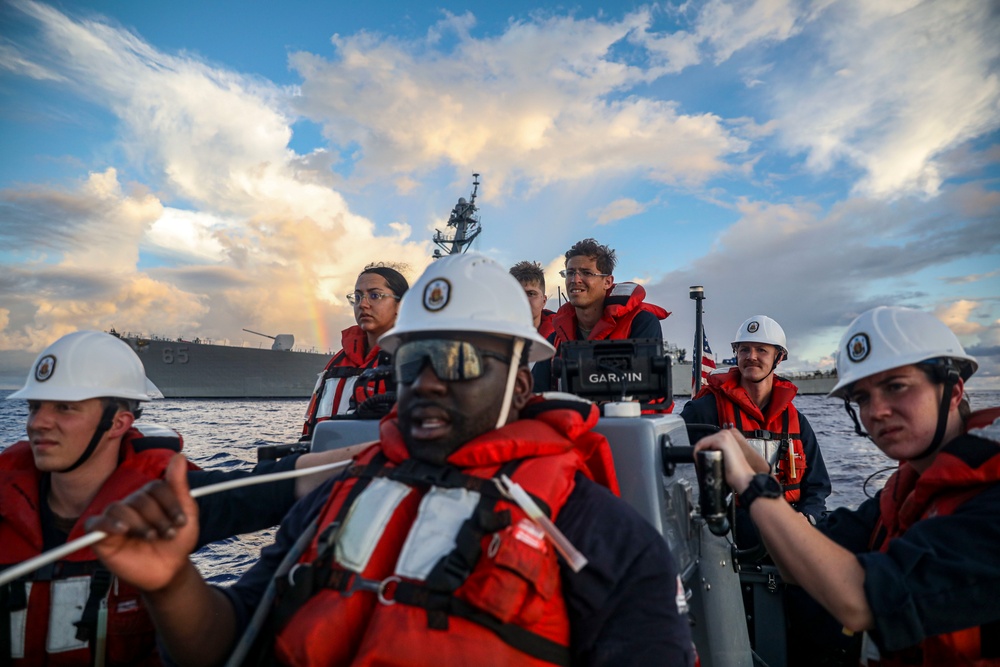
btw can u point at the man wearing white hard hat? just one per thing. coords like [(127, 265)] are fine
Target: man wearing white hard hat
[(751, 398), (85, 450), (428, 552), (915, 569)]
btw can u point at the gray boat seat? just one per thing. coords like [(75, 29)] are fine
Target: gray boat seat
[(338, 433)]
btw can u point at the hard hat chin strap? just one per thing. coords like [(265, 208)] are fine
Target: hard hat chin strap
[(950, 379), (854, 417), (508, 394), (107, 419)]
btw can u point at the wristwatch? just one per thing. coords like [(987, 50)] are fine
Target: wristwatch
[(761, 485)]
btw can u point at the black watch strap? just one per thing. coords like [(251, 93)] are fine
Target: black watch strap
[(761, 485)]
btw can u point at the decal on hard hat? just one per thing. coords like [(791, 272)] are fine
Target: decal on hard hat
[(436, 294), (858, 347), (46, 365), (752, 327)]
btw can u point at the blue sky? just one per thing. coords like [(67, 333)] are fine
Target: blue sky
[(193, 168)]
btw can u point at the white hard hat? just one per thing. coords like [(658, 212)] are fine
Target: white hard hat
[(761, 329), (889, 337), (87, 364), (467, 293)]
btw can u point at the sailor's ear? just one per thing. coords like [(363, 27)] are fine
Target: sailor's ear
[(957, 393), (121, 423), (523, 386)]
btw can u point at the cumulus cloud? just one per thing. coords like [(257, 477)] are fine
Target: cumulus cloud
[(544, 102), (96, 225), (618, 210), (888, 88), (217, 140), (728, 27), (891, 88)]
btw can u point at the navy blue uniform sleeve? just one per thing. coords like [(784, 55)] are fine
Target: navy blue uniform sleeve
[(246, 509), (645, 325), (852, 529), (701, 411), (247, 592), (815, 486), (622, 605), (942, 575)]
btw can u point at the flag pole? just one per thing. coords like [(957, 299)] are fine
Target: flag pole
[(697, 293)]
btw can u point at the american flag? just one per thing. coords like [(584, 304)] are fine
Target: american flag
[(707, 362)]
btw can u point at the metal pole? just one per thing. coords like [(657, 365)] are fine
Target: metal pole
[(697, 292)]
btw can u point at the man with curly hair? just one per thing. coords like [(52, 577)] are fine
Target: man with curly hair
[(597, 307)]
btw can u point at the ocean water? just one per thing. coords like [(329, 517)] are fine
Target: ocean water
[(225, 433)]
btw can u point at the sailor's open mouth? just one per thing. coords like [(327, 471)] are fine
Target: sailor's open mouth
[(429, 423)]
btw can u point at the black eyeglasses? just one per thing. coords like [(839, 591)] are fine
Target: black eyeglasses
[(452, 360), (373, 297), (586, 274)]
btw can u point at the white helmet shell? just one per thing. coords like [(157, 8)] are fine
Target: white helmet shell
[(467, 293), (761, 329), (87, 364), (889, 337)]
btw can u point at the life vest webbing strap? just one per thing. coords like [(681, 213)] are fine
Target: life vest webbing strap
[(341, 372), (513, 635), (328, 538), (440, 605), (14, 596), (100, 584), (454, 568), (311, 418), (764, 434), (523, 640), (295, 591), (413, 472)]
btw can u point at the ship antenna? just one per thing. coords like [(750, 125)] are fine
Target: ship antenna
[(465, 221)]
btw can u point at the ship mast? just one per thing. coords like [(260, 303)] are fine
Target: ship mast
[(465, 221)]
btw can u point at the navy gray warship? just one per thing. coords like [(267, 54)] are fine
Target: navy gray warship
[(198, 369)]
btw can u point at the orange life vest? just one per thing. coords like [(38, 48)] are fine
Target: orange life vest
[(417, 564), (43, 609), (337, 389), (961, 470), (622, 302), (780, 423), (545, 327)]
